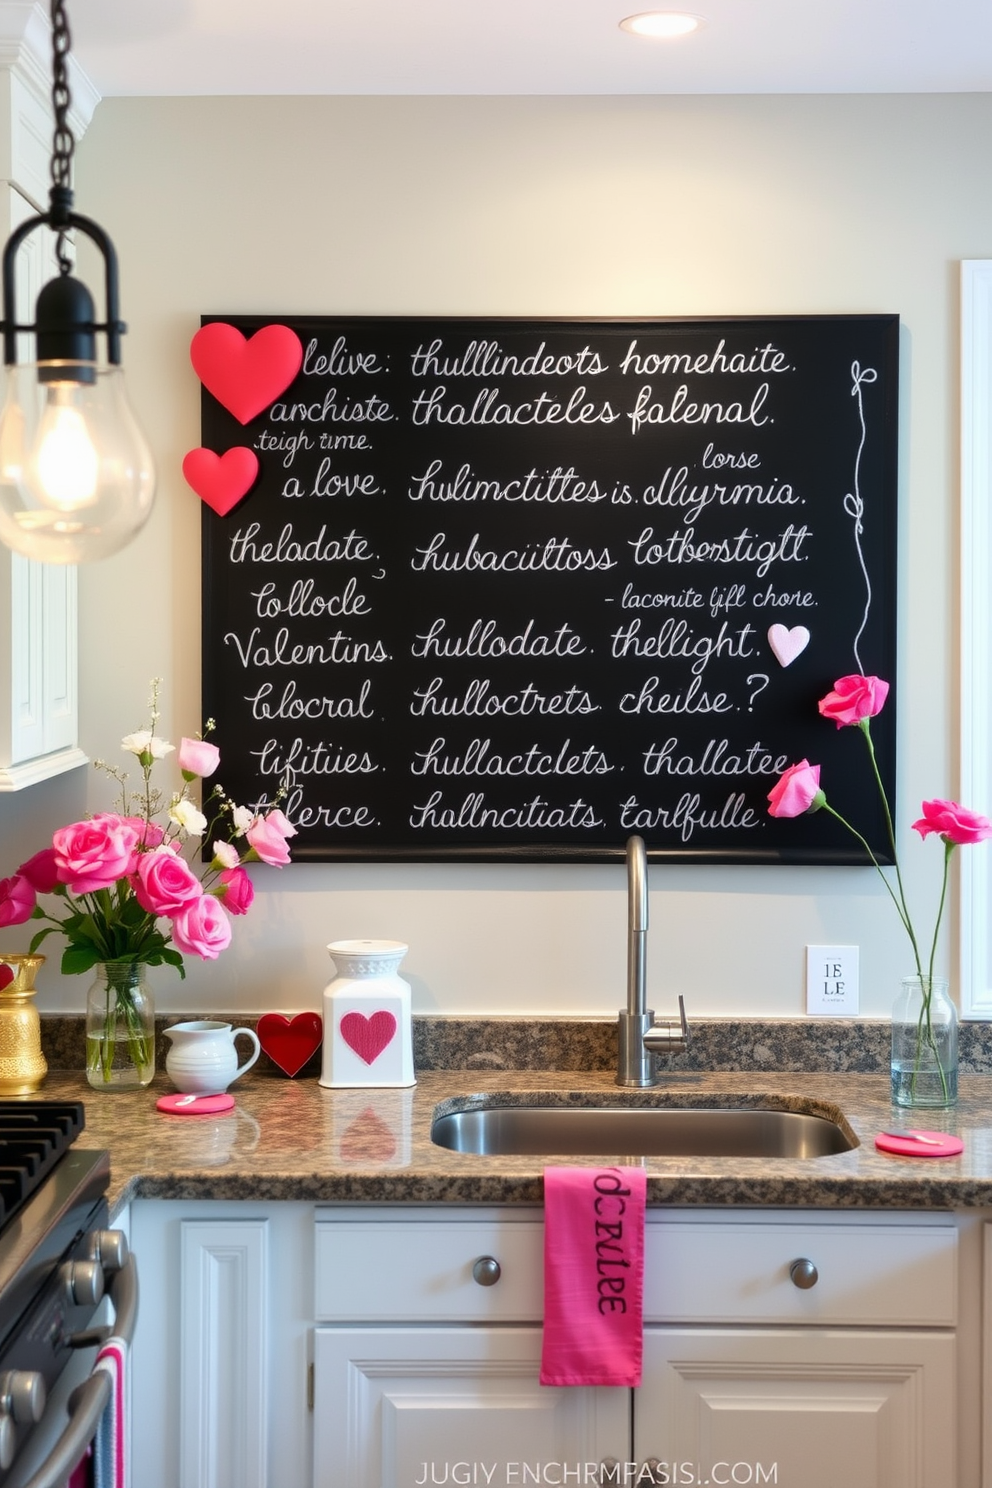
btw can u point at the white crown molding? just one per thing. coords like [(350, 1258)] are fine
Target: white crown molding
[(26, 49)]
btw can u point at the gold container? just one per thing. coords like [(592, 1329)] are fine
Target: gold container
[(22, 1064)]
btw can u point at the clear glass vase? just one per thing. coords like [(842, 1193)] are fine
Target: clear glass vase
[(924, 1044), (120, 1028)]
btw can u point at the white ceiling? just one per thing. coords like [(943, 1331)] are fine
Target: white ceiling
[(529, 46)]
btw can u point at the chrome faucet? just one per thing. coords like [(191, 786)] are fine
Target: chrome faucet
[(641, 1038)]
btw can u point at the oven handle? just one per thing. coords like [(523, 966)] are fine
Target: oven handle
[(89, 1400)]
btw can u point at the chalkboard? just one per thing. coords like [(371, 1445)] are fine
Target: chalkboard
[(507, 589)]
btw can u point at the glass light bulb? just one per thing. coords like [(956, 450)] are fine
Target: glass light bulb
[(76, 477), (68, 465)]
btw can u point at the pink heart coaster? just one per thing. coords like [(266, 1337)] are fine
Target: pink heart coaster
[(245, 376), (788, 644), (368, 1036), (290, 1042), (6, 975), (221, 480)]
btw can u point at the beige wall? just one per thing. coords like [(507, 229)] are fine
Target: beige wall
[(565, 206)]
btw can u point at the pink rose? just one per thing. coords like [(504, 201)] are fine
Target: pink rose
[(16, 900), (197, 757), (147, 833), (795, 791), (41, 871), (956, 824), (854, 699), (164, 883), (240, 891), (202, 928), (91, 855), (267, 835)]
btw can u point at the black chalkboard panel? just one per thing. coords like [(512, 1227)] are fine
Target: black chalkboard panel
[(506, 588)]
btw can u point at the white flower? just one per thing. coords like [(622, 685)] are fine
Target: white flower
[(227, 854), (185, 815), (242, 819), (145, 742)]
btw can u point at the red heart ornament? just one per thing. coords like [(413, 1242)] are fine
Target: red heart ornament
[(245, 376), (368, 1036), (221, 480), (6, 976), (289, 1043)]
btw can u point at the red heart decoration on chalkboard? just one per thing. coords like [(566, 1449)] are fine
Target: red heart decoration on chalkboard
[(221, 480), (368, 1036), (289, 1043), (6, 976), (245, 375)]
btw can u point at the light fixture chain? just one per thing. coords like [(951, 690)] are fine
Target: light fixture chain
[(63, 140)]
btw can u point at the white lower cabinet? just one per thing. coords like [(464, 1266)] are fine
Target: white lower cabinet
[(281, 1345), (426, 1369)]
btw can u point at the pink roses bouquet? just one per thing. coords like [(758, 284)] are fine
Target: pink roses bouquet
[(124, 894), (854, 701)]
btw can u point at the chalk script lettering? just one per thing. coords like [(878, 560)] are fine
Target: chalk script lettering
[(287, 549), (488, 359), (479, 758), (556, 555), (550, 486), (473, 813), (291, 705), (689, 816), (745, 547), (490, 407), (484, 640), (478, 701)]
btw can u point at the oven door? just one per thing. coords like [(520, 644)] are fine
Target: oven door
[(73, 1410)]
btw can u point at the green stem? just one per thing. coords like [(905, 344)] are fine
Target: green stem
[(897, 900)]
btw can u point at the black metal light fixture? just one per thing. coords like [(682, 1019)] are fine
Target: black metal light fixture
[(76, 476)]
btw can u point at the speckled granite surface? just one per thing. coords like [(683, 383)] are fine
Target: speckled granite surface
[(290, 1139), (842, 1045)]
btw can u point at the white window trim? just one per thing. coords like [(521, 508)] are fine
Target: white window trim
[(975, 621)]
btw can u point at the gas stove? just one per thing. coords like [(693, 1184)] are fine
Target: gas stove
[(56, 1255)]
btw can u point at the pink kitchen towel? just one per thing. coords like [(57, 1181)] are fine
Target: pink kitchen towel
[(593, 1276), (110, 1462)]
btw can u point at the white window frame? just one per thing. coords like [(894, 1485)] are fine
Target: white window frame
[(975, 621)]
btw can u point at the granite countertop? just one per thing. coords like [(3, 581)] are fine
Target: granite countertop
[(291, 1139)]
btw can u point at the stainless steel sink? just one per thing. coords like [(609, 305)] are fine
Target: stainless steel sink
[(651, 1131)]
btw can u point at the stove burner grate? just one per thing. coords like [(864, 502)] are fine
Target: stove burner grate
[(34, 1135)]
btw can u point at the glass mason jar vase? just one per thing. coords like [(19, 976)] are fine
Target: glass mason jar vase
[(120, 1028), (924, 1044)]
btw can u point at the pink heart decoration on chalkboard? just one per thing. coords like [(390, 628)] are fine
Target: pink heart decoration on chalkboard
[(245, 375), (788, 644), (289, 1042), (221, 480), (6, 976), (368, 1036)]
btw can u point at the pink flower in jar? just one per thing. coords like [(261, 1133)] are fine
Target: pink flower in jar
[(239, 891), (202, 928), (17, 900), (796, 791), (94, 854), (197, 757), (854, 699), (956, 824), (164, 883), (267, 835), (41, 871)]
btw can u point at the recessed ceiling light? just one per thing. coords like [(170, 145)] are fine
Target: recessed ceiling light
[(665, 24)]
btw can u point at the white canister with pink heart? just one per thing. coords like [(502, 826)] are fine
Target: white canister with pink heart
[(368, 1038)]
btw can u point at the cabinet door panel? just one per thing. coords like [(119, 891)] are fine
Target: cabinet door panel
[(395, 1407), (817, 1408)]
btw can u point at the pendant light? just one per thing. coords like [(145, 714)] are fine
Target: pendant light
[(76, 476)]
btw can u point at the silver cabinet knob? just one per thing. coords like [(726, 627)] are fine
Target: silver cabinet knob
[(109, 1247), (83, 1282), (486, 1271), (803, 1274)]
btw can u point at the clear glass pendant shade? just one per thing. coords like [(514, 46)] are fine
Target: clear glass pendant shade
[(76, 476)]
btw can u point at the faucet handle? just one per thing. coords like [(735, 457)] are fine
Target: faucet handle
[(666, 1036)]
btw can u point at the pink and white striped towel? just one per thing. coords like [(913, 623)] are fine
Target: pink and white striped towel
[(110, 1461)]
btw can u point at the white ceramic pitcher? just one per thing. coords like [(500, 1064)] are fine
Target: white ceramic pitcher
[(203, 1059)]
